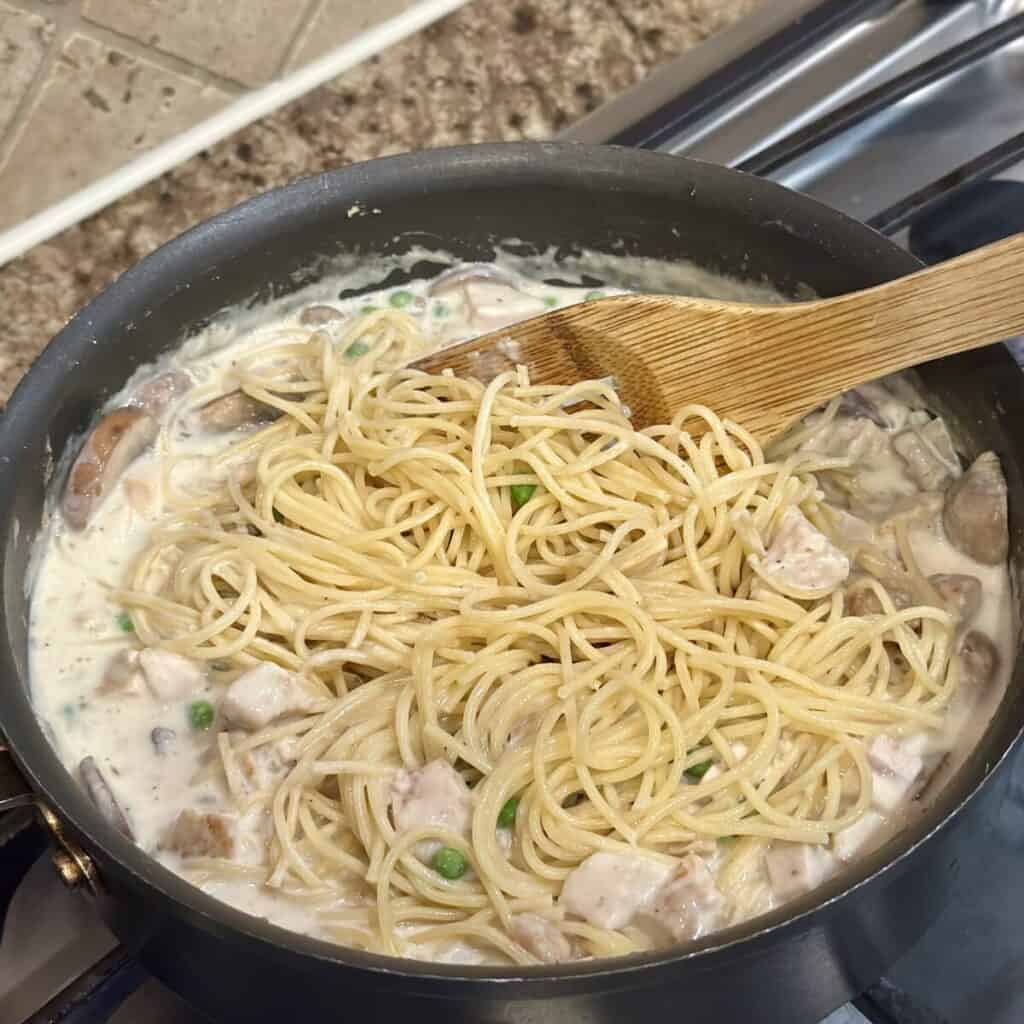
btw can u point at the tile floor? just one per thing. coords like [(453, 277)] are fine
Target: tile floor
[(85, 85)]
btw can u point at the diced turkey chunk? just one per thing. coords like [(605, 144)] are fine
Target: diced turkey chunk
[(199, 834), (890, 409), (855, 438), (802, 558), (979, 660), (608, 889), (975, 512), (895, 768), (434, 796), (170, 676), (265, 765), (493, 305), (688, 905), (262, 695), (795, 868), (122, 674), (541, 937), (929, 454), (848, 843)]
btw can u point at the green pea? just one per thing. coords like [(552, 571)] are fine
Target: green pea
[(441, 310), (400, 299), (449, 863), (124, 623), (69, 711), (724, 842), (550, 301), (522, 493), (590, 296), (507, 814), (368, 309), (698, 771), (356, 349), (200, 714)]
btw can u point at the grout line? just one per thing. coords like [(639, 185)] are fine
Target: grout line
[(71, 20), (131, 46), (23, 111), (243, 111), (313, 9)]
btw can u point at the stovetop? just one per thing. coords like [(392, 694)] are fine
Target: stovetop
[(908, 114)]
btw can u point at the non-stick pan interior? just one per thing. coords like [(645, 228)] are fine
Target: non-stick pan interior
[(465, 202)]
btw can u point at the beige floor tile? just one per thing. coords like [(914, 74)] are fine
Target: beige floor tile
[(244, 40), (23, 41), (98, 109), (338, 21)]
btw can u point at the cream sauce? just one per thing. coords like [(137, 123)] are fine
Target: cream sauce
[(76, 627)]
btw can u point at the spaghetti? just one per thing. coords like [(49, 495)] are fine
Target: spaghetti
[(576, 615)]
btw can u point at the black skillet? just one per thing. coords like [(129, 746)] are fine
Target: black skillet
[(792, 966)]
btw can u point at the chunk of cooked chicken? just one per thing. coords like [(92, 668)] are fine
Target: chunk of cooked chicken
[(975, 514), (493, 305), (201, 834), (121, 674), (688, 905), (929, 454), (434, 796), (262, 695), (170, 676), (608, 889), (541, 937), (895, 767), (848, 843), (801, 558), (794, 868)]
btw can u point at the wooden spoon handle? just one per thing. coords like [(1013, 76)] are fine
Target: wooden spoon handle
[(973, 300), (806, 353)]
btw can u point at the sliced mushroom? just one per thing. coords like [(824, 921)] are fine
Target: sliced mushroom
[(233, 410), (163, 740), (115, 442), (864, 601), (960, 593), (857, 405), (101, 795), (466, 273), (975, 512), (316, 316), (156, 394), (979, 659)]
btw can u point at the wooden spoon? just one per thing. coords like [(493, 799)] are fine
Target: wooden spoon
[(761, 366)]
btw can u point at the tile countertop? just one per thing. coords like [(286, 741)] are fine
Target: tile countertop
[(490, 71)]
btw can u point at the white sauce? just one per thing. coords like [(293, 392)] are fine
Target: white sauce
[(74, 625)]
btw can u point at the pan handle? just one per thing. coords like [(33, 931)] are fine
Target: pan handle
[(14, 790)]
